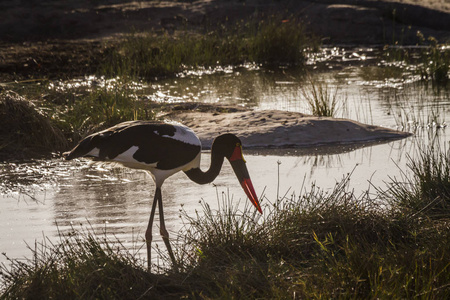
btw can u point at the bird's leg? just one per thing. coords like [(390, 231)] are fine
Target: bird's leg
[(148, 233), (163, 230)]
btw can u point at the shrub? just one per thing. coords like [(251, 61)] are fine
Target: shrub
[(24, 130)]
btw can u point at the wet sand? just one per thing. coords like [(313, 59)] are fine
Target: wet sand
[(278, 129)]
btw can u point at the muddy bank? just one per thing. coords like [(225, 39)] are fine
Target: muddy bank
[(55, 39), (280, 129), (343, 21)]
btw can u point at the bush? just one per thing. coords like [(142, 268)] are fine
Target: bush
[(24, 130)]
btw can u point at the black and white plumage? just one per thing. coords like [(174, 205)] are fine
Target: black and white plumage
[(164, 149)]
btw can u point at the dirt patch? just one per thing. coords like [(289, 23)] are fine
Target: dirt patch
[(53, 19), (62, 59)]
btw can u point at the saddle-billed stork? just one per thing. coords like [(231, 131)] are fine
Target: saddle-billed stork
[(163, 149)]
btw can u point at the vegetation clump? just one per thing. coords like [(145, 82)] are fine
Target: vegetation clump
[(322, 101), (430, 59), (62, 114), (272, 41), (321, 245), (435, 63), (108, 102), (427, 193), (24, 129)]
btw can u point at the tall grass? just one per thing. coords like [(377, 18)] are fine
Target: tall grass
[(427, 192), (74, 111), (320, 245), (435, 60), (417, 109), (272, 41), (98, 107), (81, 266), (431, 59)]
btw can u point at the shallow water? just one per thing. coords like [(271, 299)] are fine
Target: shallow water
[(40, 198)]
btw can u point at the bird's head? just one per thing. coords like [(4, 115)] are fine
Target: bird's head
[(231, 148)]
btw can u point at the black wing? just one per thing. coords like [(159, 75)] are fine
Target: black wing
[(156, 142)]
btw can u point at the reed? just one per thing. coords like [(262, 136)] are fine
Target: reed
[(435, 60), (430, 60), (426, 191), (321, 98)]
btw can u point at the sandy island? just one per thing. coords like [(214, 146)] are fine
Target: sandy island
[(277, 129)]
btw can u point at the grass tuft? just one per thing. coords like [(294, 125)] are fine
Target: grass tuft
[(427, 191), (83, 266), (435, 60), (321, 99), (98, 107), (431, 59), (75, 111)]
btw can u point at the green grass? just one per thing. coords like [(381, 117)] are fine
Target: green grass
[(272, 41), (70, 112), (83, 111), (321, 99), (427, 192), (319, 245)]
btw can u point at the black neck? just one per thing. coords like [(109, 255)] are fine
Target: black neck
[(201, 177)]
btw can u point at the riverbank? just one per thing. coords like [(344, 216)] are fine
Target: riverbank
[(68, 39)]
